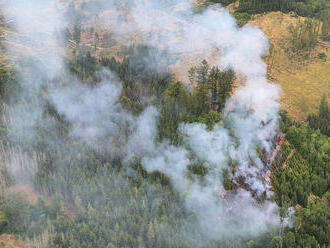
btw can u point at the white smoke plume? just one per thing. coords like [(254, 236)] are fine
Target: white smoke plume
[(251, 114), (94, 112), (37, 49)]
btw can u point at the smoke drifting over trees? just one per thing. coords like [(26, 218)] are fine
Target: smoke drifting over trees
[(95, 116)]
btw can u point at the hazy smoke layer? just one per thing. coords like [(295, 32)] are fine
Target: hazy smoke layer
[(38, 52), (251, 115), (94, 112)]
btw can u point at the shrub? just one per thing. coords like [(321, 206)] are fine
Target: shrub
[(322, 56)]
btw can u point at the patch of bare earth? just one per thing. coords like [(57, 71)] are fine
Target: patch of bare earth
[(10, 241)]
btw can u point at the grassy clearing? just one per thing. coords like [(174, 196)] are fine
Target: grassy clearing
[(303, 89), (303, 80)]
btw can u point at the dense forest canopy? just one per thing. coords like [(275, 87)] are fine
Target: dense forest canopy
[(244, 9), (115, 151), (309, 8)]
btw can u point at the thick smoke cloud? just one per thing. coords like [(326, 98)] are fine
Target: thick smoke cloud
[(94, 112), (38, 52), (250, 115)]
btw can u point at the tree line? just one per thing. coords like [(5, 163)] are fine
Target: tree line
[(115, 206)]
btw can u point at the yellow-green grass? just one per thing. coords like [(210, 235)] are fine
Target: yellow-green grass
[(303, 81), (303, 89)]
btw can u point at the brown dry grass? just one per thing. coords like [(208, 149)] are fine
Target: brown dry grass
[(303, 81), (10, 241), (231, 7)]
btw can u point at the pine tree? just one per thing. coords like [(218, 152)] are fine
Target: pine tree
[(202, 72)]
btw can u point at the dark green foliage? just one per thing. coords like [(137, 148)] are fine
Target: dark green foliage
[(110, 210), (293, 184), (276, 242), (221, 84), (198, 169), (115, 205), (210, 119), (285, 121), (223, 2), (120, 206), (7, 80), (315, 222), (84, 66), (259, 6), (322, 56), (174, 111), (8, 86), (143, 74), (309, 8), (315, 149), (25, 219), (15, 208), (302, 172), (227, 183), (242, 18), (202, 73), (322, 119), (213, 87), (202, 103), (312, 227)]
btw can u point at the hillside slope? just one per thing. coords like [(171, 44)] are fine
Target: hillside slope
[(303, 81)]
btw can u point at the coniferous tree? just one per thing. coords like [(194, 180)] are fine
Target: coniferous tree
[(322, 119)]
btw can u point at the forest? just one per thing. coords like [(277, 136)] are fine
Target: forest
[(317, 9), (311, 8), (87, 154)]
